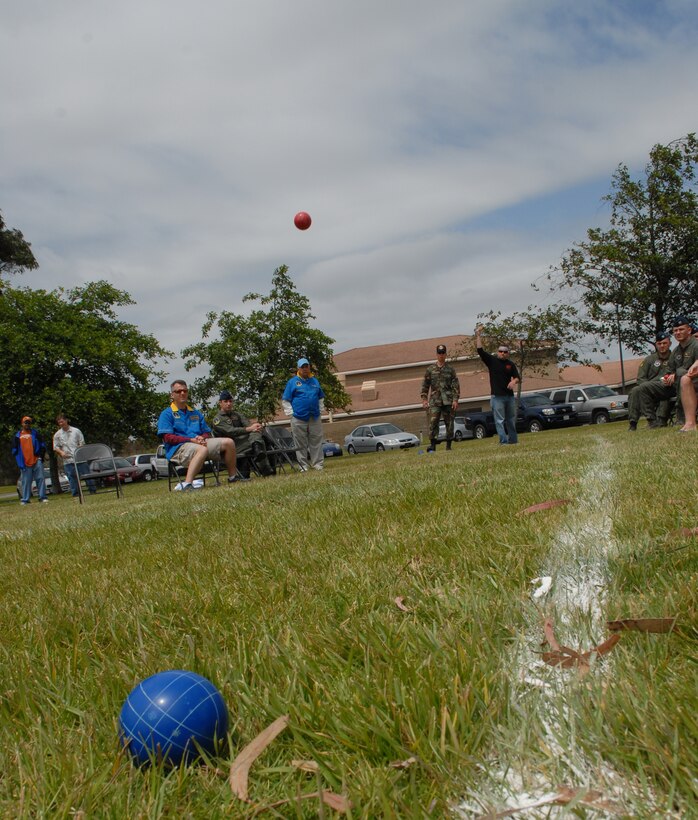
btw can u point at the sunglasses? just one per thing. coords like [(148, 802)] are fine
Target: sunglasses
[(181, 390), (502, 350)]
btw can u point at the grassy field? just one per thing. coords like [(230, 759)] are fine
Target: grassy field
[(283, 592)]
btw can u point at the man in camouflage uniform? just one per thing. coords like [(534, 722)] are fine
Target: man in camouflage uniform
[(682, 357), (440, 394), (653, 368), (247, 435)]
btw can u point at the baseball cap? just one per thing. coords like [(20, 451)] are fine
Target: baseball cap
[(301, 362), (26, 418), (503, 349), (681, 319), (441, 348), (225, 395)]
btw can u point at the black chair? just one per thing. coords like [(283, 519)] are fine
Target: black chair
[(95, 466), (281, 450)]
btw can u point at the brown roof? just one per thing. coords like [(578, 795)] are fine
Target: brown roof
[(609, 374), (390, 355)]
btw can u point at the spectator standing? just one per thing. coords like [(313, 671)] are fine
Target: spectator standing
[(303, 400), (29, 450), (440, 394), (66, 440), (504, 377)]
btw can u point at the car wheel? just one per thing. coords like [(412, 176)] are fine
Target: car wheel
[(601, 418), (147, 476), (480, 431), (534, 426), (458, 436), (379, 447), (351, 450)]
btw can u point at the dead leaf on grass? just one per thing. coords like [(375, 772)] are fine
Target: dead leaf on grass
[(240, 767), (658, 625), (545, 505), (685, 532), (563, 797), (306, 765), (399, 603), (403, 764)]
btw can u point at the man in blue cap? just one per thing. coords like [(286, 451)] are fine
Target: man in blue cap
[(303, 400), (682, 358), (653, 368)]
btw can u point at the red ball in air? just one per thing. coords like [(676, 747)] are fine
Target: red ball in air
[(302, 221)]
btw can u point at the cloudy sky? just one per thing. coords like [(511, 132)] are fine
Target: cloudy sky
[(448, 152)]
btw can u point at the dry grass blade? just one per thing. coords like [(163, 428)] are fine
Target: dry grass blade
[(658, 625), (400, 603), (545, 505), (240, 768), (685, 532), (338, 802), (603, 648)]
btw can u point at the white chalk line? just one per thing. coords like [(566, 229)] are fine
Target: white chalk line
[(572, 587)]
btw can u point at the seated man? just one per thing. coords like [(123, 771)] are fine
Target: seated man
[(689, 399), (246, 434), (653, 368), (682, 357), (187, 437)]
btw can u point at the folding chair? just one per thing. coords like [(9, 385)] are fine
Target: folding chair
[(175, 472), (95, 465), (280, 450)]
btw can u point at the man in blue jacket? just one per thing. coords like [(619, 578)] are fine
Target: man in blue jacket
[(188, 439), (303, 400), (29, 449)]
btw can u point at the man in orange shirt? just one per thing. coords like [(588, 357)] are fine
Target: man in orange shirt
[(28, 450)]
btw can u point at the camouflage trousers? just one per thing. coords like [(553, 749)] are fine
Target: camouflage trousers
[(440, 412)]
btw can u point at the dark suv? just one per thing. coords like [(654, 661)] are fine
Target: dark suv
[(535, 412)]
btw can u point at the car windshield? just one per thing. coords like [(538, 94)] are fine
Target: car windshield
[(536, 401), (600, 392), (385, 429)]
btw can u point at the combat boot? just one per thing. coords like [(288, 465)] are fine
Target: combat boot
[(632, 426), (432, 447)]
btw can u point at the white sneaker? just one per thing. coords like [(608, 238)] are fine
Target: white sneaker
[(181, 487), (197, 483)]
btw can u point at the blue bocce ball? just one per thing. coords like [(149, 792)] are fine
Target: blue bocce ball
[(168, 715)]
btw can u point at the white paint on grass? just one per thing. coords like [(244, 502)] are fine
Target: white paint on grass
[(572, 591)]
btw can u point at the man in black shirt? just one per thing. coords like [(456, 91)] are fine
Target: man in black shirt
[(504, 377)]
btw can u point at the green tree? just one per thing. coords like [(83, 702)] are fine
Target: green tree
[(255, 355), (632, 278), (15, 252), (68, 351), (536, 336)]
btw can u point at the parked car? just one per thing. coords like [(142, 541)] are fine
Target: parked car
[(127, 472), (375, 437), (331, 449), (144, 462), (594, 403), (535, 412), (62, 480), (160, 462), (460, 430)]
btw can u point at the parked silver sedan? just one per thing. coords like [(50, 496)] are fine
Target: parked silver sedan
[(376, 437)]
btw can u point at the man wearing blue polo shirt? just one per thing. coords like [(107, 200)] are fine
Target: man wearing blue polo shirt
[(188, 440), (303, 400)]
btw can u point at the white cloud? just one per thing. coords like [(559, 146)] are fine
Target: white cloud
[(166, 147)]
